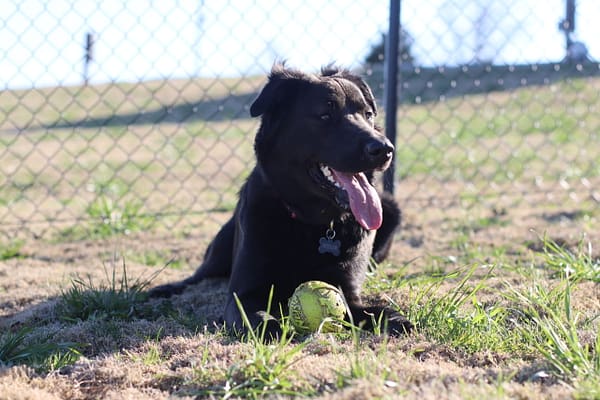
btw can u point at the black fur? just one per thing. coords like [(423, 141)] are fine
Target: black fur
[(286, 205)]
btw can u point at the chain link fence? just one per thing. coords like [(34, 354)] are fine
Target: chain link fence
[(117, 117)]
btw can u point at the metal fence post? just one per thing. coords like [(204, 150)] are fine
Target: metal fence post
[(390, 83)]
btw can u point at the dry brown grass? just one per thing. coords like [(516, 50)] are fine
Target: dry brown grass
[(185, 352), (457, 215)]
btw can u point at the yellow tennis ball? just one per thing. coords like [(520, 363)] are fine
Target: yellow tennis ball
[(315, 305)]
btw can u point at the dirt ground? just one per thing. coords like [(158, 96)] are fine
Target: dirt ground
[(437, 233)]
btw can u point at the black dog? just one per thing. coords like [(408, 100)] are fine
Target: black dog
[(308, 210)]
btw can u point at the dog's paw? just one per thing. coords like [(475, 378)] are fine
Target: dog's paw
[(166, 290), (398, 324), (368, 318)]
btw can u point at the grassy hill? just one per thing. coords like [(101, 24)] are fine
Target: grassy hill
[(182, 147), (129, 182)]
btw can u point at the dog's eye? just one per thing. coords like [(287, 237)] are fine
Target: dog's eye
[(370, 115), (326, 115)]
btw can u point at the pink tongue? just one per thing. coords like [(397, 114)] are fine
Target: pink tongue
[(364, 200)]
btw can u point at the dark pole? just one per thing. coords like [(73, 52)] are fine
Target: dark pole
[(88, 57), (390, 83), (567, 25)]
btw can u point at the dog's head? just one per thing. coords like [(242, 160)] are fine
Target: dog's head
[(318, 143)]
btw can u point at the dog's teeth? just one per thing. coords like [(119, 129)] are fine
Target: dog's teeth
[(327, 174)]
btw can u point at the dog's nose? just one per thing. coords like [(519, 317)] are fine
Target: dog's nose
[(379, 152)]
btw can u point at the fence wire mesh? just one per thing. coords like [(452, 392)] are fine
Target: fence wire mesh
[(124, 116)]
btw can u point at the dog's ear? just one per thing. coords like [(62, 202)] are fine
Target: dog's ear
[(266, 97), (330, 70), (273, 92)]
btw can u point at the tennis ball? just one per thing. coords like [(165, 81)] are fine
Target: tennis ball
[(316, 304)]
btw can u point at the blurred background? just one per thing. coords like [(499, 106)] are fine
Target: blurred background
[(43, 40), (119, 117)]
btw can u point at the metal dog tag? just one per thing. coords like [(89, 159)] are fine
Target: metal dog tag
[(327, 244)]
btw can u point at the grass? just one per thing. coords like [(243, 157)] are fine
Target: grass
[(531, 325), (153, 355), (458, 318), (118, 298), (43, 356), (576, 265), (11, 249), (524, 322), (495, 136), (112, 217), (156, 258), (371, 364), (179, 166), (491, 321), (535, 322), (555, 336), (112, 212), (554, 331), (267, 369), (556, 325), (169, 177)]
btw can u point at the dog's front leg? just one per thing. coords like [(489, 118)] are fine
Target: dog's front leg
[(392, 218)]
